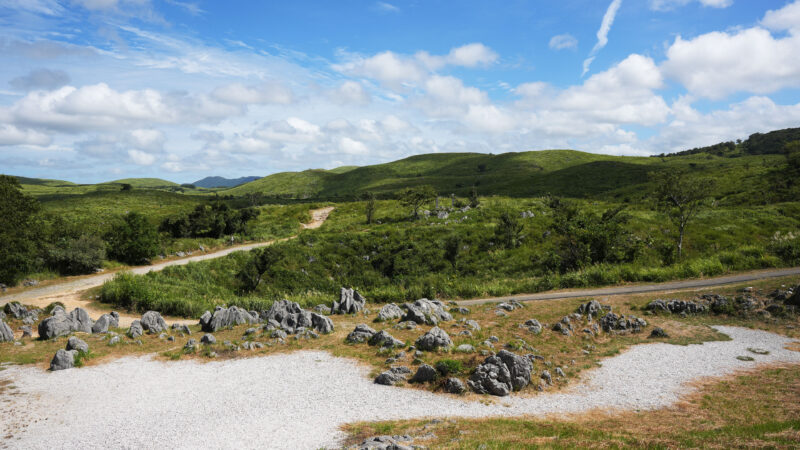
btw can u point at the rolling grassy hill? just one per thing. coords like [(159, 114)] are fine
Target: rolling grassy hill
[(559, 172), (216, 182)]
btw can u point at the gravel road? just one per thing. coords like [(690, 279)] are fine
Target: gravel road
[(299, 400)]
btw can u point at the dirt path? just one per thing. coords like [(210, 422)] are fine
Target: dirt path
[(642, 288), (68, 292)]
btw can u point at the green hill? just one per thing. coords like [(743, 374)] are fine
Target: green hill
[(145, 183), (559, 172)]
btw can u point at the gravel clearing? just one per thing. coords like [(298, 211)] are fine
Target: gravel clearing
[(300, 400)]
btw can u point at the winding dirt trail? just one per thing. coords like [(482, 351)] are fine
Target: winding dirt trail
[(69, 292)]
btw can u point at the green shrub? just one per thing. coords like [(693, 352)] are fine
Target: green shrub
[(447, 367), (134, 240), (84, 254)]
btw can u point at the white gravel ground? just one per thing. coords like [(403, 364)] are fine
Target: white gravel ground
[(299, 400)]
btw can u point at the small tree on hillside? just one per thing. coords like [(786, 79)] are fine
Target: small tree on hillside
[(252, 273), (473, 198), (369, 209), (134, 240), (416, 197), (681, 197), (509, 231), (19, 231)]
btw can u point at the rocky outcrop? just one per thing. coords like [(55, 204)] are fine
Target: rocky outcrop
[(384, 339), (389, 312), (153, 323), (135, 330), (393, 376), (680, 306), (501, 374), (63, 359), (619, 323), (385, 443), (77, 344), (593, 308), (208, 339), (224, 318), (434, 339), (425, 374), (533, 326), (291, 318), (61, 324), (105, 322), (658, 333), (426, 312), (6, 333), (350, 302), (454, 386), (361, 333)]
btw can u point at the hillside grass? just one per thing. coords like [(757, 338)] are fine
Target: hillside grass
[(398, 260)]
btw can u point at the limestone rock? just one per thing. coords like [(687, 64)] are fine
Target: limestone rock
[(384, 339), (361, 333), (425, 374), (350, 302), (434, 339), (224, 318), (77, 344), (153, 323), (424, 311), (136, 329), (389, 312), (63, 359), (501, 374), (6, 333)]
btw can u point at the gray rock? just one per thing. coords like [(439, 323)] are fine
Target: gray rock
[(614, 322), (501, 374), (191, 345), (593, 308), (425, 374), (560, 372), (278, 334), (208, 339), (434, 339), (290, 317), (454, 385), (794, 300), (389, 312), (77, 344), (658, 333), (384, 339), (407, 325), (546, 377), (460, 310), (63, 359), (114, 340), (224, 318), (473, 325), (16, 310), (350, 302), (58, 324), (135, 330), (533, 326), (26, 331), (105, 322), (6, 333), (424, 311), (361, 333), (250, 331), (322, 309), (153, 323), (465, 348), (181, 328), (29, 283), (393, 376), (385, 443), (564, 326)]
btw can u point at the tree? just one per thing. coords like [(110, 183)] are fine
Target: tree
[(416, 197), (126, 187), (792, 152), (251, 275), (473, 197), (509, 231), (20, 234), (134, 240), (681, 197), (370, 206)]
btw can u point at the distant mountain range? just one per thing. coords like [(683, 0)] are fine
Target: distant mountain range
[(212, 182)]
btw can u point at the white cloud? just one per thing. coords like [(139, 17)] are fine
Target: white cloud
[(489, 118), (352, 147), (786, 18), (387, 7), (563, 41), (99, 106), (141, 158), (396, 71), (148, 140), (264, 93), (666, 5), (602, 33), (446, 96), (11, 135), (717, 64), (350, 92)]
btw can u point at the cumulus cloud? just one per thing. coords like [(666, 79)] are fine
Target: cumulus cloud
[(666, 5), (387, 7), (264, 93), (40, 79), (602, 33), (349, 92), (563, 41), (786, 18), (395, 70), (717, 64), (98, 106), (141, 158), (12, 135)]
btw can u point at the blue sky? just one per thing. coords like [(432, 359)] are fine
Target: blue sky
[(95, 90)]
